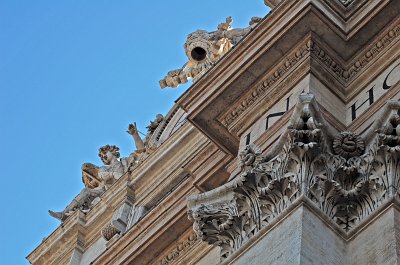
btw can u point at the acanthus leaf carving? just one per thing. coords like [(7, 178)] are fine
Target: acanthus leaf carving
[(263, 190), (345, 175)]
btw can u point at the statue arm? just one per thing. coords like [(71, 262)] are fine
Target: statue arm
[(132, 130)]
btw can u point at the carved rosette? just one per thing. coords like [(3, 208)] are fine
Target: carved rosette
[(343, 178), (354, 182), (348, 144)]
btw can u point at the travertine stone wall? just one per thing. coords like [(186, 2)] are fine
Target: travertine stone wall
[(319, 244), (212, 258), (378, 243), (301, 238), (280, 246), (93, 251)]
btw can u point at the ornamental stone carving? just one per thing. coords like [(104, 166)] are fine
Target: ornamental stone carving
[(126, 216), (204, 49), (346, 2), (84, 201), (97, 180), (273, 3), (345, 175), (145, 146), (348, 144), (109, 232), (181, 248)]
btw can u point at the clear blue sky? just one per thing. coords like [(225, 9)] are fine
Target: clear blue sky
[(73, 75)]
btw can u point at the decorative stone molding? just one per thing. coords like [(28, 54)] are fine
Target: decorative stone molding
[(271, 79), (377, 47), (109, 232), (344, 179), (346, 2), (122, 220), (272, 3), (180, 249), (310, 47)]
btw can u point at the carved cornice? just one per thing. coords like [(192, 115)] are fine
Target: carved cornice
[(346, 2), (289, 63), (274, 3), (311, 47), (180, 249), (373, 51), (348, 177)]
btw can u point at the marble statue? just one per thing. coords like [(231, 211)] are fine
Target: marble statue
[(148, 144), (97, 180)]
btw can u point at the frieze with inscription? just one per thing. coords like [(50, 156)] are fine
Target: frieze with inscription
[(344, 74), (381, 85)]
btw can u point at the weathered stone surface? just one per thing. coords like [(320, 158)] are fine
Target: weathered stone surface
[(378, 242), (301, 238), (344, 180), (204, 49), (331, 160)]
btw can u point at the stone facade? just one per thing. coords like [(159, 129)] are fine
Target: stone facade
[(285, 150)]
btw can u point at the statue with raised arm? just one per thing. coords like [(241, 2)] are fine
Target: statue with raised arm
[(132, 130), (204, 49), (97, 180), (148, 144)]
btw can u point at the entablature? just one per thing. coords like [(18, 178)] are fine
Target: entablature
[(308, 42)]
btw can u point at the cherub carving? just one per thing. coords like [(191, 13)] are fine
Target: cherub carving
[(97, 180)]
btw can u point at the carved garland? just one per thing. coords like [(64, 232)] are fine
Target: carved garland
[(343, 179)]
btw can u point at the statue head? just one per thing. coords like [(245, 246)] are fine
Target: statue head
[(108, 152)]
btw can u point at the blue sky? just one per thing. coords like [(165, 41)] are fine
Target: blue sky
[(73, 75)]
